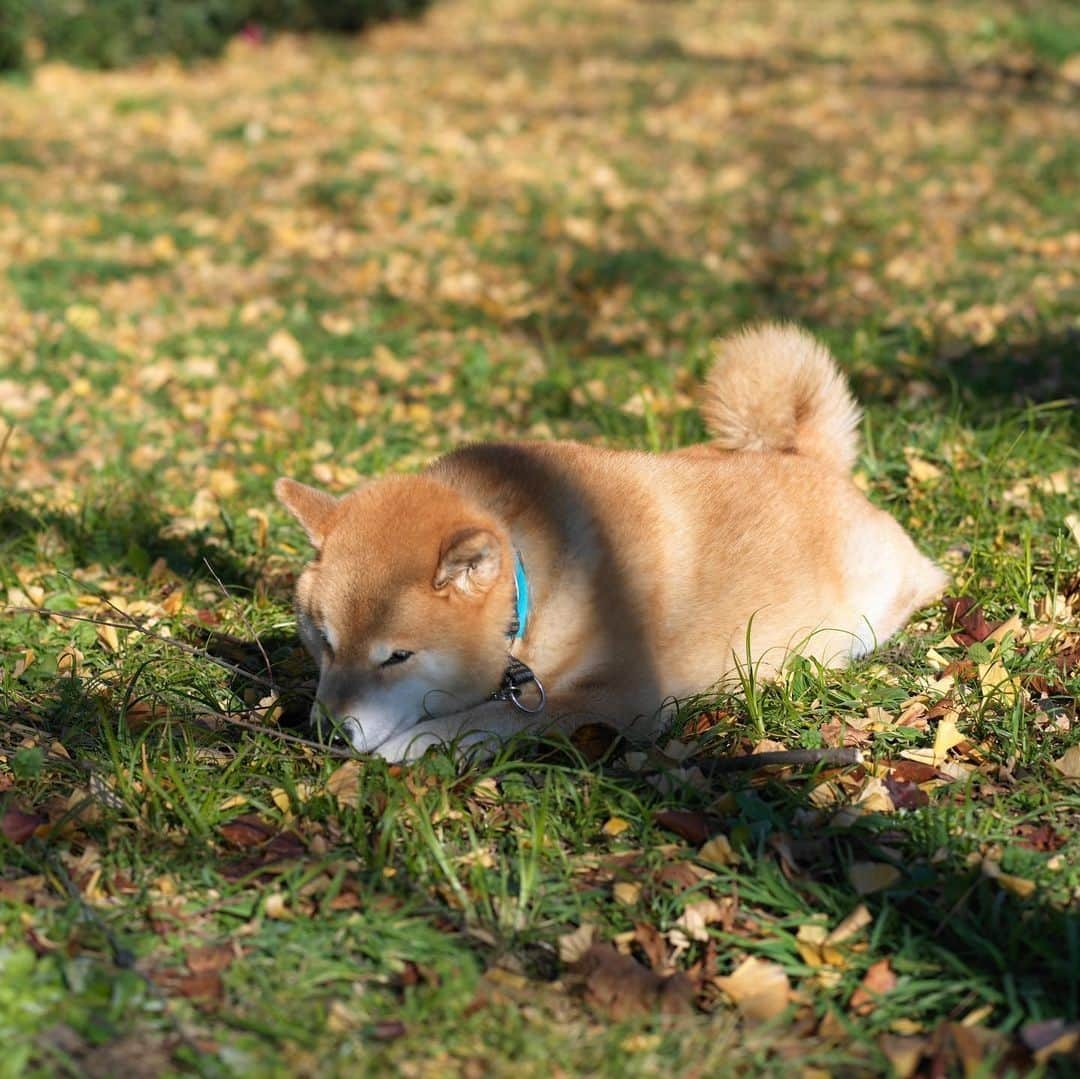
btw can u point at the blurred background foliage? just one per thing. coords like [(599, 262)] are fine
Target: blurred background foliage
[(112, 33)]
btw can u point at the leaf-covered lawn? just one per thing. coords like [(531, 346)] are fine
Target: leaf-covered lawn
[(331, 259)]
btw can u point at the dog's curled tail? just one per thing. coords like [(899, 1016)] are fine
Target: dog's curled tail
[(774, 387)]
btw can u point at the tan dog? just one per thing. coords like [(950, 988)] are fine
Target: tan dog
[(438, 604)]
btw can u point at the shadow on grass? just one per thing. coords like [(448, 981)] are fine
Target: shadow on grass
[(127, 535)]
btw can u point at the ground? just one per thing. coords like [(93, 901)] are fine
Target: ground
[(335, 258)]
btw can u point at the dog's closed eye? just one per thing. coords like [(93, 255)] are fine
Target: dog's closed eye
[(395, 658)]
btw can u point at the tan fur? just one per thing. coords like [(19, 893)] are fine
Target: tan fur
[(648, 573)]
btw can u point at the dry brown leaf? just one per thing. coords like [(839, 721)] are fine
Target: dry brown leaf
[(695, 828), (17, 827), (344, 784), (1068, 764), (621, 987), (879, 979), (573, 945)]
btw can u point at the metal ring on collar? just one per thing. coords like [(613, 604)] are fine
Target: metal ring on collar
[(513, 694)]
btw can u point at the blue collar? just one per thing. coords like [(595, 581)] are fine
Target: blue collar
[(521, 600)]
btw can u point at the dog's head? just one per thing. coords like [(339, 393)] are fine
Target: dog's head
[(405, 605)]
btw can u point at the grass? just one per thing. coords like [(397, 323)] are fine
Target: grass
[(331, 262)]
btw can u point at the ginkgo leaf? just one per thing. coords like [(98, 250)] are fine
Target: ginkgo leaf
[(759, 988)]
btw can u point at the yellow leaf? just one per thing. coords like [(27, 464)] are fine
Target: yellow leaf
[(262, 527), (717, 851), (869, 877), (627, 892), (615, 826), (173, 603), (875, 798), (223, 483), (854, 923), (23, 662), (276, 908), (947, 737), (640, 1043), (997, 683), (1072, 523), (109, 637), (284, 348), (759, 988), (165, 885), (919, 469), (1021, 887), (280, 798)]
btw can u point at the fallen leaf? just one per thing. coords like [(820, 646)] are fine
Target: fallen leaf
[(812, 942), (651, 941), (284, 348), (948, 736), (622, 987), (869, 877), (997, 684), (759, 988), (696, 916), (249, 830), (879, 979), (17, 827), (1050, 1037), (695, 828), (854, 923), (903, 1053), (573, 945), (388, 1030), (627, 892), (275, 907), (211, 957), (718, 851), (1021, 887), (920, 470), (615, 826), (1068, 764), (905, 794)]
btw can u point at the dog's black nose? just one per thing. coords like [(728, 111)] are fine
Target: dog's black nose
[(326, 728)]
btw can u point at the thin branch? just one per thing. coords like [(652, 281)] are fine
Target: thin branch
[(133, 624), (243, 618), (788, 758)]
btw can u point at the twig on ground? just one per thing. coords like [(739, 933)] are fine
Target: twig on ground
[(787, 758), (243, 618), (134, 624), (295, 739)]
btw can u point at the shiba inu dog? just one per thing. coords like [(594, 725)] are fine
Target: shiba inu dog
[(543, 585)]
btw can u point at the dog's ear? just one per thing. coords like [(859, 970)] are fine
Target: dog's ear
[(469, 561), (312, 508)]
